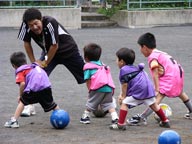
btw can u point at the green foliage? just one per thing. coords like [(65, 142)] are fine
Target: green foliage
[(108, 11), (160, 4), (146, 4), (112, 10)]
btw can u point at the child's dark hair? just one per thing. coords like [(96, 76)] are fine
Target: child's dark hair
[(127, 55), (31, 14), (147, 39), (92, 52), (18, 59)]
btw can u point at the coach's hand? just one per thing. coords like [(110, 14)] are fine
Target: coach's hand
[(42, 64)]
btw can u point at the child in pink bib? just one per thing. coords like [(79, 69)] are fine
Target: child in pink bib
[(167, 74), (170, 73)]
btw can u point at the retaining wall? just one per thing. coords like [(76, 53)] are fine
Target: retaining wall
[(134, 19), (70, 18)]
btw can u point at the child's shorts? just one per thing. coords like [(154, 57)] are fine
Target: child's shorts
[(104, 99), (132, 102), (44, 97)]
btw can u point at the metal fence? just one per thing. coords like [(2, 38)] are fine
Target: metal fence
[(129, 4), (36, 3), (158, 4)]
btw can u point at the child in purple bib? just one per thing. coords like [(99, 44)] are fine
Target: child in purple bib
[(136, 89), (34, 87)]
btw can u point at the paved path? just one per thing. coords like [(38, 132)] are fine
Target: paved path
[(72, 97)]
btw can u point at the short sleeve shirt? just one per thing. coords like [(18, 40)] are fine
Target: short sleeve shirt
[(154, 64), (88, 73), (20, 77), (53, 33)]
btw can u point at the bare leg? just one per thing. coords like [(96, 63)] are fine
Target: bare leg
[(149, 111), (56, 108), (18, 110), (184, 97)]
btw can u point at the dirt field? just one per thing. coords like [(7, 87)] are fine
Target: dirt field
[(177, 41)]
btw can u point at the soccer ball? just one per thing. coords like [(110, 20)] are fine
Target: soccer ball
[(169, 137), (166, 109), (99, 112), (59, 119)]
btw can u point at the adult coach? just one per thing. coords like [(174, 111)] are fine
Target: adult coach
[(58, 46)]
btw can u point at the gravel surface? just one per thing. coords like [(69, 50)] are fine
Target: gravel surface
[(70, 96)]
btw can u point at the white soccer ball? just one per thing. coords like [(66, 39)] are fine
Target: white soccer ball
[(166, 109)]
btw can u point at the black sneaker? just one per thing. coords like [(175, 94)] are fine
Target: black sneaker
[(117, 127), (85, 119), (188, 116), (164, 124), (137, 120)]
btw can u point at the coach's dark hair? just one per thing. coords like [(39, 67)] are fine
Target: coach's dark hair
[(147, 39), (31, 14), (92, 52), (127, 55), (18, 59)]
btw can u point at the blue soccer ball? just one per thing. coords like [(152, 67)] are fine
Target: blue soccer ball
[(169, 137), (59, 119)]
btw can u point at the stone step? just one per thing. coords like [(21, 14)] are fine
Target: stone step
[(97, 24), (92, 17), (93, 8)]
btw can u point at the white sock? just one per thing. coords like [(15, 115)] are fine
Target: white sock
[(114, 116), (86, 113), (13, 119)]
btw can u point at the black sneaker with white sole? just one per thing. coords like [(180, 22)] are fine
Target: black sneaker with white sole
[(117, 127), (137, 120), (85, 120), (164, 124), (188, 116)]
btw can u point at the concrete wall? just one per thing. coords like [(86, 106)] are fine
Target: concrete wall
[(134, 19), (70, 18)]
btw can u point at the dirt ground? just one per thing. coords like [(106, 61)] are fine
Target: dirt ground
[(70, 96)]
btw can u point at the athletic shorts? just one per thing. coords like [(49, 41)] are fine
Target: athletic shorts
[(74, 64), (104, 99), (132, 102), (43, 97)]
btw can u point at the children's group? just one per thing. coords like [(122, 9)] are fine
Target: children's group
[(59, 48)]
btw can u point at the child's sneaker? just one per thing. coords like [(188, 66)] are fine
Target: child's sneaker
[(85, 119), (32, 110), (12, 124), (28, 111), (117, 127), (137, 120), (164, 124), (188, 116)]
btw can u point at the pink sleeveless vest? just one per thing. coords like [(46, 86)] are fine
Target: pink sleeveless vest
[(171, 82), (101, 78)]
